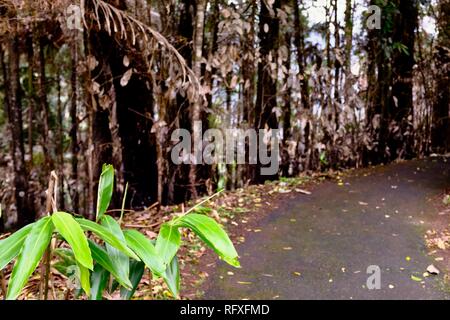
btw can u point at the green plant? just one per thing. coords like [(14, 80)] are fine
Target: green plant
[(117, 260), (323, 158)]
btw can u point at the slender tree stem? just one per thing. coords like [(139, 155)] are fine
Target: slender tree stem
[(3, 284), (50, 207)]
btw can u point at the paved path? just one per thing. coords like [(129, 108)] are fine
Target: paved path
[(336, 233)]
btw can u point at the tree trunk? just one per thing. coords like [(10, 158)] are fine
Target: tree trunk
[(401, 143), (11, 72), (348, 37), (441, 122), (269, 26), (196, 107), (75, 148), (304, 89), (44, 107)]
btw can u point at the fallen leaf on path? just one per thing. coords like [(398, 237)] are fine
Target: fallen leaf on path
[(303, 191), (413, 277), (431, 269), (441, 244)]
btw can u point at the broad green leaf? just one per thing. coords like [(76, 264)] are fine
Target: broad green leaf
[(10, 247), (66, 260), (71, 231), (85, 278), (107, 236), (99, 281), (32, 251), (136, 273), (212, 234), (172, 277), (66, 255), (118, 258), (145, 250), (101, 256), (105, 190), (168, 242)]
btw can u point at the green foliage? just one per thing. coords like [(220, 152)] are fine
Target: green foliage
[(10, 247), (71, 231), (120, 261), (212, 234), (145, 250), (400, 47), (31, 253), (101, 256), (105, 190), (106, 236), (168, 242), (323, 158)]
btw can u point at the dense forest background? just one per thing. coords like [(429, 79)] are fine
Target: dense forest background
[(88, 82)]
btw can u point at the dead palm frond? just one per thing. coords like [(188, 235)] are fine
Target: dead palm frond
[(114, 20)]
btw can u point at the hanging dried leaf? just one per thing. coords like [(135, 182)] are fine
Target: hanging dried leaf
[(126, 61), (126, 77), (92, 63)]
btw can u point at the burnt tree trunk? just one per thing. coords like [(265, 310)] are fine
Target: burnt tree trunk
[(405, 24), (269, 27), (134, 107)]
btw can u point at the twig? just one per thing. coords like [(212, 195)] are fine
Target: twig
[(202, 202), (149, 226), (123, 204), (50, 207), (3, 284), (130, 210)]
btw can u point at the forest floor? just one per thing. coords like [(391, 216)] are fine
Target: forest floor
[(319, 246), (313, 237)]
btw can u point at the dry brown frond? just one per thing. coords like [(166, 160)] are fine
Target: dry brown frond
[(115, 20)]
